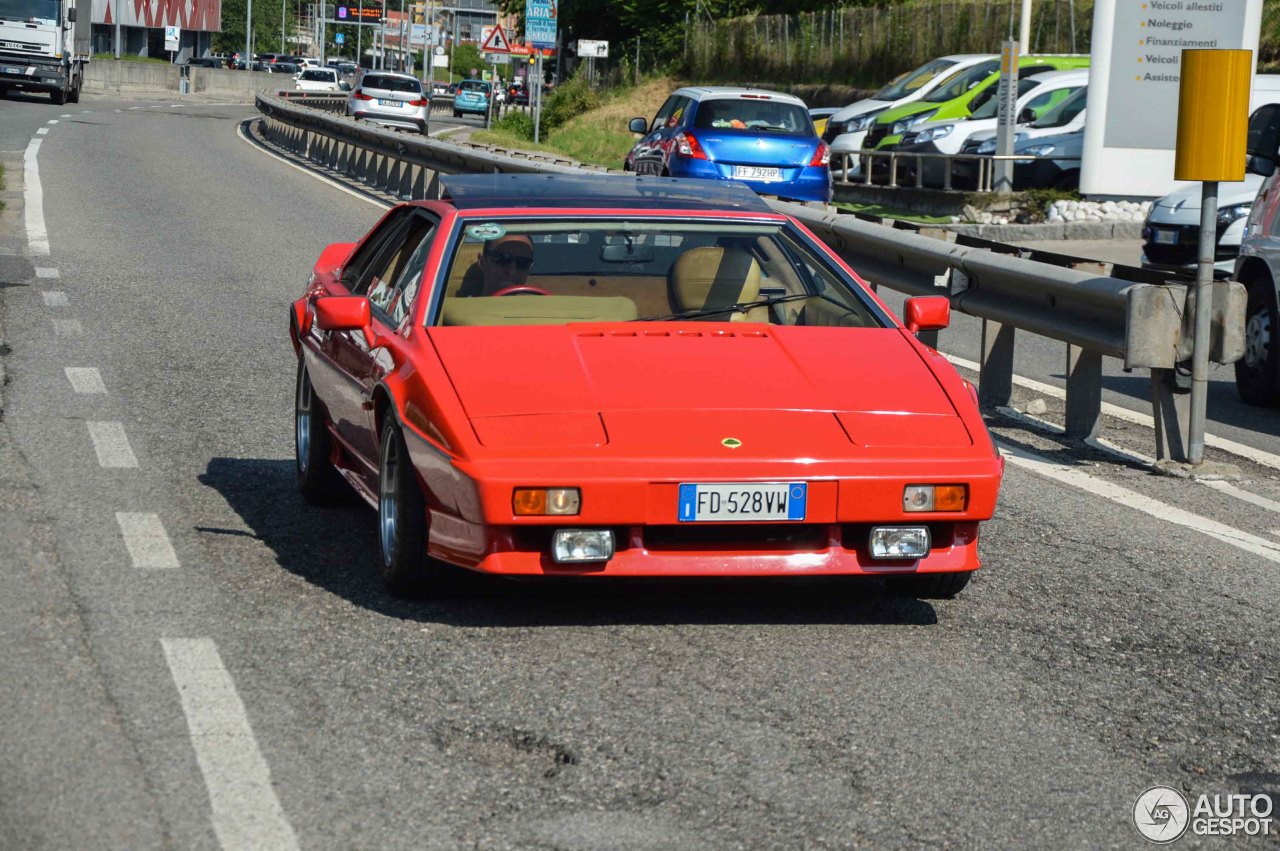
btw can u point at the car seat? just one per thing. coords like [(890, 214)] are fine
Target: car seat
[(712, 276)]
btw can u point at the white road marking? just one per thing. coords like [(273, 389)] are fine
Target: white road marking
[(85, 379), (45, 272), (146, 540), (1244, 495), (1154, 507), (55, 298), (111, 444), (1258, 456), (63, 115), (379, 204), (33, 202), (246, 812), (68, 328), (42, 131)]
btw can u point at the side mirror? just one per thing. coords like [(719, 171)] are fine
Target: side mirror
[(71, 16), (924, 313), (1027, 115), (638, 125), (1259, 165), (344, 313)]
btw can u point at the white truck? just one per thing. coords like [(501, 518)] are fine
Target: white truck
[(44, 46)]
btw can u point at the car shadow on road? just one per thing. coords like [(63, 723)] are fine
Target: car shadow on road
[(335, 549)]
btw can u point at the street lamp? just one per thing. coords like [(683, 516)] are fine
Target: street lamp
[(282, 26), (248, 34)]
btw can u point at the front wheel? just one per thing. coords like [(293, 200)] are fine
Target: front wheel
[(58, 96), (1257, 371), (318, 479), (927, 586), (75, 92), (406, 569)]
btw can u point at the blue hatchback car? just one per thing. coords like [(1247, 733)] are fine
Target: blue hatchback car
[(764, 139), (472, 96)]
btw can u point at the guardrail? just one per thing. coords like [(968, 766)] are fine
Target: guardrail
[(983, 176), (1094, 315)]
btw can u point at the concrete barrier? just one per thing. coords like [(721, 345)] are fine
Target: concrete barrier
[(123, 77), (107, 76)]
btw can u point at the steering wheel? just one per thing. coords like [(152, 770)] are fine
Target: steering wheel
[(522, 289)]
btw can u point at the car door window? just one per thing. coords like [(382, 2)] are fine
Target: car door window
[(678, 115), (390, 265), (373, 255), (660, 120), (1047, 101), (1264, 132), (394, 300)]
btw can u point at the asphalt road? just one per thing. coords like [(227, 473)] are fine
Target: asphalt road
[(254, 686)]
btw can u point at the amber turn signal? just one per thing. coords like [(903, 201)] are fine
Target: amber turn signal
[(950, 497), (534, 501)]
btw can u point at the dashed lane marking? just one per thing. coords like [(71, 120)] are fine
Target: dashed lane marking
[(246, 812), (1269, 550), (68, 328), (111, 444), (45, 272), (54, 298), (85, 379), (146, 540), (42, 131), (33, 202)]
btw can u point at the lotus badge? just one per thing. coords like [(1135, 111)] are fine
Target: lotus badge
[(731, 442)]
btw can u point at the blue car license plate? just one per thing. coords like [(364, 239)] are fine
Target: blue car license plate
[(742, 502), (9, 69)]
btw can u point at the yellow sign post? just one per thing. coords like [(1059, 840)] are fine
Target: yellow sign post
[(1213, 122)]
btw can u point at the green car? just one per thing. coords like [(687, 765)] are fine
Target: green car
[(958, 97)]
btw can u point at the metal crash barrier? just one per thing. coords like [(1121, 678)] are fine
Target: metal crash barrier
[(1145, 325)]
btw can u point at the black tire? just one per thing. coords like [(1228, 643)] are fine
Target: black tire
[(457, 114), (406, 569), (318, 480), (1068, 181), (927, 586), (1257, 372), (58, 96), (75, 93)]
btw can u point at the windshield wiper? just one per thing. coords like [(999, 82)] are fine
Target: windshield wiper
[(740, 307)]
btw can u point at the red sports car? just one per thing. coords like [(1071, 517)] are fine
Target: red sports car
[(619, 376)]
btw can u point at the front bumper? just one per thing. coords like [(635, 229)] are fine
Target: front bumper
[(23, 73)]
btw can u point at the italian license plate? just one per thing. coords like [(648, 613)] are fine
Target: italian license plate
[(9, 69), (755, 172), (1166, 237), (742, 502), (385, 102)]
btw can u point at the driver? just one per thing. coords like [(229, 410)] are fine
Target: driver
[(505, 262)]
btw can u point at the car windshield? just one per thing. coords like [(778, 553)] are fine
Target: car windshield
[(753, 113), (473, 86), (32, 11), (987, 104), (552, 272), (390, 84), (912, 80), (961, 81), (1062, 114)]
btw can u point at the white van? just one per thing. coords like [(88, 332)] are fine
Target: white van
[(847, 128)]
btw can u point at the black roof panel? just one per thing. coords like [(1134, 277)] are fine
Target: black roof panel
[(474, 191)]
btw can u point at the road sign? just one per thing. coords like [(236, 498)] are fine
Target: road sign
[(339, 38), (495, 41), (172, 37), (595, 49), (540, 23)]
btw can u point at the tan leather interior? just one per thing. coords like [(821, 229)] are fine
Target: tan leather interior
[(713, 276), (465, 277), (536, 310)]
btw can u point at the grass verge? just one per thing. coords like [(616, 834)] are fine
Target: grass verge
[(130, 57), (599, 136), (891, 213)]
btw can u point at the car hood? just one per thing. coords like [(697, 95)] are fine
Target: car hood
[(862, 107), (1185, 202), (661, 386)]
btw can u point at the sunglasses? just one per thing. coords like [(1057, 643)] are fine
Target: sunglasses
[(502, 258)]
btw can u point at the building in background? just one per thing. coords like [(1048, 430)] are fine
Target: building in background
[(143, 22)]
